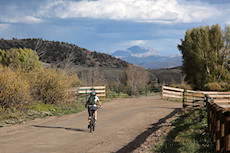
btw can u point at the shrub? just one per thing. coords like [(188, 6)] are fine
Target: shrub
[(74, 80), (173, 85), (49, 86), (14, 90), (224, 86), (25, 59), (213, 86), (182, 86)]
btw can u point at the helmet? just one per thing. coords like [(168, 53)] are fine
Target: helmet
[(93, 93)]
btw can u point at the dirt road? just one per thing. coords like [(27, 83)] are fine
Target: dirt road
[(123, 125)]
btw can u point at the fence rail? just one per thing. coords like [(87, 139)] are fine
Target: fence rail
[(219, 125), (218, 112), (81, 93), (189, 98), (119, 91), (113, 91)]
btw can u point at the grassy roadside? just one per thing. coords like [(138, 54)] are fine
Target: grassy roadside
[(37, 110), (188, 135)]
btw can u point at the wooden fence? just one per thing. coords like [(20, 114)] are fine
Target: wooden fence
[(82, 93), (218, 112), (189, 98), (219, 121)]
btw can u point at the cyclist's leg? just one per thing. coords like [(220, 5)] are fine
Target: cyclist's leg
[(90, 112), (95, 115)]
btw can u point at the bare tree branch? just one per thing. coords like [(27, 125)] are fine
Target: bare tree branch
[(40, 48)]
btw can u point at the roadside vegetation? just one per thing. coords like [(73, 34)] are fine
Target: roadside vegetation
[(189, 134), (205, 51), (28, 90)]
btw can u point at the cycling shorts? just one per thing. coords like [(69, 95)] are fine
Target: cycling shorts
[(91, 110)]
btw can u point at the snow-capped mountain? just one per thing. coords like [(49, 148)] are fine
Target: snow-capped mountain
[(148, 58)]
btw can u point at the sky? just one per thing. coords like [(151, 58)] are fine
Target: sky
[(110, 25)]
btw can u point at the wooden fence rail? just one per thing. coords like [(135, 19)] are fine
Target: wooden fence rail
[(219, 126), (218, 112), (189, 98), (82, 93)]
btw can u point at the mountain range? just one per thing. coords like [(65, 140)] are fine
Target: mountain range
[(148, 58)]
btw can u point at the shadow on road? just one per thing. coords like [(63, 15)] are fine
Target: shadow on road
[(143, 136), (162, 107), (57, 127)]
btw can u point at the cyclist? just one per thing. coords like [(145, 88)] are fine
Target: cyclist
[(91, 103)]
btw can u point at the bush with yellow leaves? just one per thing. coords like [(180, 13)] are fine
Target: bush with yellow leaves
[(22, 78), (14, 90), (50, 86)]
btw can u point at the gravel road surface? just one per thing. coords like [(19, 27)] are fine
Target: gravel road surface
[(123, 125)]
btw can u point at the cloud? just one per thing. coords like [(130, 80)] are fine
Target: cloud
[(137, 42), (152, 11), (20, 12), (161, 11), (21, 19)]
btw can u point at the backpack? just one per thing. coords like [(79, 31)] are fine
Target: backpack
[(92, 100)]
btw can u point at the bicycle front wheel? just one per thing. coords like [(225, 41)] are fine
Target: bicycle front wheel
[(92, 123), (91, 126)]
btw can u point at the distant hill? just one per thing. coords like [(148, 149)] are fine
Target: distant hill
[(148, 58), (169, 75), (55, 52), (165, 62), (109, 68)]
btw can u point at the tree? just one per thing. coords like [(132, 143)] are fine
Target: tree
[(226, 49), (204, 56), (93, 76), (40, 47), (136, 76)]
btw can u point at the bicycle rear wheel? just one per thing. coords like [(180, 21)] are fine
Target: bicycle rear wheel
[(92, 123)]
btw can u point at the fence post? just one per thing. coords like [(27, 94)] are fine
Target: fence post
[(222, 131), (208, 115), (118, 92), (77, 96), (106, 91), (131, 91), (227, 133), (162, 91), (213, 123), (183, 100), (218, 130), (86, 95), (206, 99)]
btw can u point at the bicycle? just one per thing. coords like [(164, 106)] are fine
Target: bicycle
[(92, 123)]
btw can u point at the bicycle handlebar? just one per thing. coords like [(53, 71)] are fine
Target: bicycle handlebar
[(99, 107)]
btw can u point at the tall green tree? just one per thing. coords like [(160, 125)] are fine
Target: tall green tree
[(204, 56), (226, 50)]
